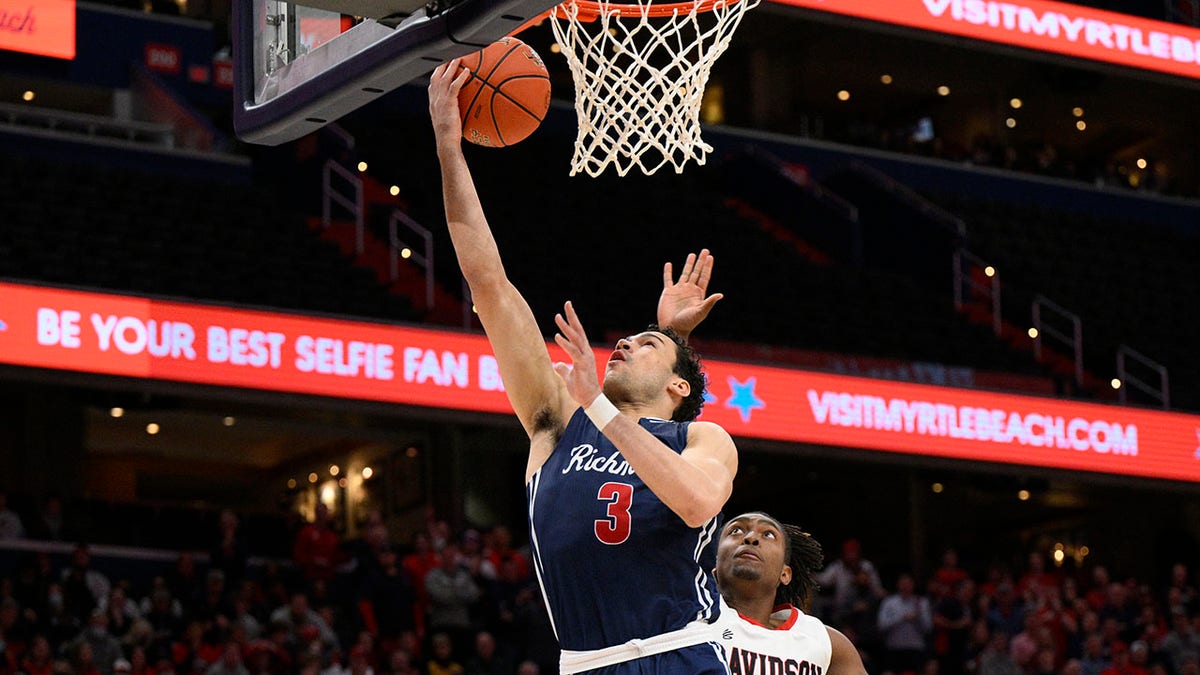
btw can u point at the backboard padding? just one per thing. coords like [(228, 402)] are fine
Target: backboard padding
[(281, 100)]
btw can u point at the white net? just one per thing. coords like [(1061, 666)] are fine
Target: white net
[(640, 73)]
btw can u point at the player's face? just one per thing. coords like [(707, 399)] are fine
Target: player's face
[(640, 366), (753, 548)]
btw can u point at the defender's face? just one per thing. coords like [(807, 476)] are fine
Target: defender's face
[(752, 548)]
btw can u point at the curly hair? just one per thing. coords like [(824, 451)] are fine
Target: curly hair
[(689, 367)]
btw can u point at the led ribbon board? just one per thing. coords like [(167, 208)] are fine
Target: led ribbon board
[(1042, 25), (40, 27), (142, 338)]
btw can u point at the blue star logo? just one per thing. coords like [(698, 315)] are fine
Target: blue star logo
[(3, 326), (709, 398), (743, 397)]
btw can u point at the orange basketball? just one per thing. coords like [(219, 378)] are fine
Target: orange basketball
[(507, 96)]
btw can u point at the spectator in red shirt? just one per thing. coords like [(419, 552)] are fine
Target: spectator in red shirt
[(316, 550), (501, 550), (37, 660), (1097, 594), (1122, 663), (1037, 575), (950, 575), (417, 565)]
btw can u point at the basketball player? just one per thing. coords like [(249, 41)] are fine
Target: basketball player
[(624, 490), (766, 572)]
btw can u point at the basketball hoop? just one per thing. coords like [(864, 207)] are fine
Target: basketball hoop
[(640, 71)]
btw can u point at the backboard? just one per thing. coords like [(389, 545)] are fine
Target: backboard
[(298, 67)]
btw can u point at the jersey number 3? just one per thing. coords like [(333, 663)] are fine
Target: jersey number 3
[(614, 529)]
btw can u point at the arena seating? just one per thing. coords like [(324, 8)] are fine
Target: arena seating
[(146, 232), (602, 241), (1124, 278)]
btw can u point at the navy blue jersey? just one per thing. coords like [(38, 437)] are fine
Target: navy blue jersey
[(615, 563)]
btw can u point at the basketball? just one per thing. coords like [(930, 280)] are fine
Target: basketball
[(507, 96)]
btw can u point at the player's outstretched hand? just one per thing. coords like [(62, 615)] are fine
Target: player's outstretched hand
[(685, 303), (580, 375), (444, 85)]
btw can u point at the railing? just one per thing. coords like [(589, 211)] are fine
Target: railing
[(1073, 341), (1162, 392), (907, 195), (352, 205), (94, 126), (964, 263), (398, 249)]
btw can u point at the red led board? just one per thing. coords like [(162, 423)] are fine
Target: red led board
[(137, 337), (1043, 25)]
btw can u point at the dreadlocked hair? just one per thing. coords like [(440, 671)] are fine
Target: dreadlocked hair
[(804, 556)]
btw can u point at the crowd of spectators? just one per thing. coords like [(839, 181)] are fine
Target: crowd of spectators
[(1038, 620), (466, 603), (450, 603)]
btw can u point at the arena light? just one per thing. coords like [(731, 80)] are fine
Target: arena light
[(28, 96), (1011, 123), (843, 95), (1033, 333), (1142, 163), (1116, 383), (229, 421), (1023, 495), (1016, 103), (394, 190), (153, 428), (334, 470), (943, 90), (291, 483), (117, 412), (367, 472), (312, 477), (937, 488), (1081, 125), (886, 78), (362, 166), (989, 271), (1077, 111)]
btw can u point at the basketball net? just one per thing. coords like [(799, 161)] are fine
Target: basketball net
[(640, 72)]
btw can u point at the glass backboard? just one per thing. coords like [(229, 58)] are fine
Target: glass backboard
[(298, 67)]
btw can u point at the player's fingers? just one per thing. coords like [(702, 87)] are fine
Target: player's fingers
[(668, 280), (439, 73), (686, 274), (577, 325), (566, 345), (460, 78), (562, 370), (709, 302), (564, 333), (706, 268)]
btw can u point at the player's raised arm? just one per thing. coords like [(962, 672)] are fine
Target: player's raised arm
[(520, 350), (695, 483), (685, 303)]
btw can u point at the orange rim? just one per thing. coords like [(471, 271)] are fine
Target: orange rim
[(590, 10)]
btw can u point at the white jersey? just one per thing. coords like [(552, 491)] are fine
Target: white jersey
[(799, 646)]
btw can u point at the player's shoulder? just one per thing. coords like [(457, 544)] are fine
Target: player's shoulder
[(708, 430)]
